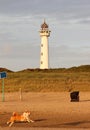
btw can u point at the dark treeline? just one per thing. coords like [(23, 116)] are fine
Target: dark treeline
[(82, 68)]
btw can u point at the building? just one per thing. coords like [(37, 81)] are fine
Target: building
[(44, 54)]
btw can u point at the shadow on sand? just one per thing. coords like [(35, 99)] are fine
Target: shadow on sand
[(38, 120), (85, 100), (70, 124), (76, 123)]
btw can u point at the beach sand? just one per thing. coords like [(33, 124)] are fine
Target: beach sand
[(52, 110)]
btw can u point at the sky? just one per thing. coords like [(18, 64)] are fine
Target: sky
[(20, 23)]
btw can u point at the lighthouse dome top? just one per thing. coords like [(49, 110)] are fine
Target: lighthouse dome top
[(44, 25)]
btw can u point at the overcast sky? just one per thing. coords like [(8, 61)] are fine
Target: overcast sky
[(20, 22)]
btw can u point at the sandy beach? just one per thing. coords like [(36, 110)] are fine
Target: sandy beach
[(49, 110)]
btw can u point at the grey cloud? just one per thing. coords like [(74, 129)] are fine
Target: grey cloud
[(70, 52), (77, 21), (86, 21), (19, 51), (67, 56), (61, 9)]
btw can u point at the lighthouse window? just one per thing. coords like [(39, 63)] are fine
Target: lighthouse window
[(41, 45), (41, 62), (42, 53)]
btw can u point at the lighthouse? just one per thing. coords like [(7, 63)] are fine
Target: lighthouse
[(44, 54)]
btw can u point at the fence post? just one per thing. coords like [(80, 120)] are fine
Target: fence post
[(20, 90)]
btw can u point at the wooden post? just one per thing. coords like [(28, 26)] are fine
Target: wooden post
[(20, 90)]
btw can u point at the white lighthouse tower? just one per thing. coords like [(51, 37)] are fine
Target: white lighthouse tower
[(44, 55)]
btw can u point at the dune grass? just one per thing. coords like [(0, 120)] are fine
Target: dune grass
[(46, 81)]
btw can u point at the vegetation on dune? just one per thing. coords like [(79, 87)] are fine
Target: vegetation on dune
[(52, 80), (4, 69)]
